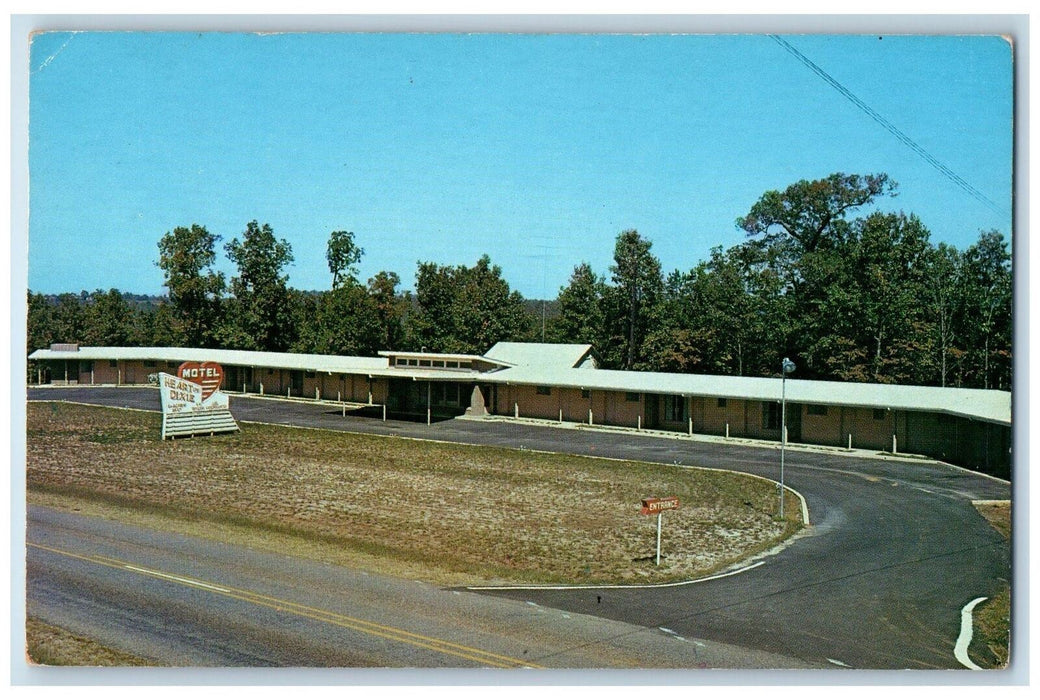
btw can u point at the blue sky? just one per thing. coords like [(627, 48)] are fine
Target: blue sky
[(535, 149)]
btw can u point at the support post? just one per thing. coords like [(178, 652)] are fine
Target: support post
[(727, 430), (639, 422), (691, 426), (850, 441), (894, 444), (590, 416), (561, 415), (516, 410), (429, 398), (384, 413), (261, 388), (317, 394), (659, 538)]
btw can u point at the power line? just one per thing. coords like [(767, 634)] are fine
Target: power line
[(891, 128)]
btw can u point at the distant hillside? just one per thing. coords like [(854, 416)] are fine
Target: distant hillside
[(138, 302)]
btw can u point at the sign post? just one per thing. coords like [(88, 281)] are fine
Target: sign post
[(657, 506)]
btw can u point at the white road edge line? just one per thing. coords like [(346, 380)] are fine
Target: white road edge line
[(961, 650), (178, 579), (581, 587)]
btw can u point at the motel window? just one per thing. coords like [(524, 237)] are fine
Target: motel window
[(113, 363), (445, 394), (400, 361), (585, 393), (86, 366), (465, 365), (452, 364), (310, 375), (438, 363), (631, 396), (879, 414), (771, 416), (721, 403), (424, 363), (675, 408), (149, 363), (270, 372), (816, 410), (544, 391)]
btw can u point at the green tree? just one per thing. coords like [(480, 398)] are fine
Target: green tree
[(158, 327), (391, 309), (68, 322), (580, 318), (466, 310), (186, 257), (109, 320), (343, 256), (985, 315), (680, 339), (261, 317), (39, 324), (811, 212), (864, 302), (636, 275), (744, 307), (942, 287)]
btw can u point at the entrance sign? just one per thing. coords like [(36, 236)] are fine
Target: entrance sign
[(192, 403), (657, 506), (653, 506)]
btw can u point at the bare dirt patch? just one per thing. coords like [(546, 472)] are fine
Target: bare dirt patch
[(449, 510)]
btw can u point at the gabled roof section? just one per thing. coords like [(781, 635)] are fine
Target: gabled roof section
[(542, 355)]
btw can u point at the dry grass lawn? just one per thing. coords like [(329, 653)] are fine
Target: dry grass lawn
[(451, 511), (52, 646), (991, 644)]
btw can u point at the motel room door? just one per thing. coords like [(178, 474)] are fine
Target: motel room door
[(794, 422), (652, 403)]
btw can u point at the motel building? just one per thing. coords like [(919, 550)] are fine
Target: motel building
[(966, 427)]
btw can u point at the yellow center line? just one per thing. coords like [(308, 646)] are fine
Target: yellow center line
[(318, 614)]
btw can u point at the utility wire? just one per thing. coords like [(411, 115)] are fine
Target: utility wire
[(891, 128)]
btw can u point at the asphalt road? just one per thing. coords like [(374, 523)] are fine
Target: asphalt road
[(878, 582), (185, 601)]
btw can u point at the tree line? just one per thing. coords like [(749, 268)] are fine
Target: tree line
[(865, 298)]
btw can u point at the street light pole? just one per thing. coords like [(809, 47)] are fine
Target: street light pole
[(785, 367)]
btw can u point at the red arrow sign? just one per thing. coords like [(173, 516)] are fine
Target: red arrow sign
[(653, 506), (208, 375)]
